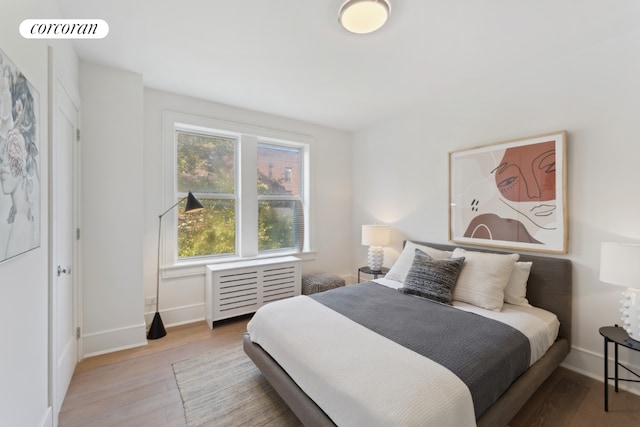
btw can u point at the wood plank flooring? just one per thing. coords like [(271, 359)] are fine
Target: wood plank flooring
[(136, 388)]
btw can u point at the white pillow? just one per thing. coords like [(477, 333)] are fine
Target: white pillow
[(483, 278), (516, 290), (400, 268)]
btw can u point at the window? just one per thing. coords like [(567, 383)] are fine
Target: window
[(206, 166), (253, 183), (280, 211)]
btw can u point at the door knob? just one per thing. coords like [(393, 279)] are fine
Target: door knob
[(66, 270)]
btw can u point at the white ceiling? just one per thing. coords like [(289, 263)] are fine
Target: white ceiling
[(291, 58)]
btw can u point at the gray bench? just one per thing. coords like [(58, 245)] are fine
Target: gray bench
[(320, 282)]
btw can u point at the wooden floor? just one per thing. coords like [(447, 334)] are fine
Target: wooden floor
[(137, 388)]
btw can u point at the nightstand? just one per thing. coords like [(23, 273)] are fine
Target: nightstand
[(618, 336), (375, 274)]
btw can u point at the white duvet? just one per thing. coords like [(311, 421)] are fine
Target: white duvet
[(388, 384)]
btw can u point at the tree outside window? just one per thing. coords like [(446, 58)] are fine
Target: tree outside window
[(207, 165)]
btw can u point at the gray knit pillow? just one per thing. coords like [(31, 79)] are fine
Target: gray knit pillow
[(432, 279)]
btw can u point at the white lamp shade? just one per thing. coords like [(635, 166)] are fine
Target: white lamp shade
[(375, 235), (363, 16), (620, 264)]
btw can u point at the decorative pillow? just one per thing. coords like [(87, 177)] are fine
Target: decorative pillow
[(399, 269), (432, 279), (483, 278), (516, 290)]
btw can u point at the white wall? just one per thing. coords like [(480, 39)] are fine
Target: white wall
[(182, 297), (24, 305), (593, 94), (112, 209), (24, 284)]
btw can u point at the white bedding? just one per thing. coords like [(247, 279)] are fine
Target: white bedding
[(396, 394)]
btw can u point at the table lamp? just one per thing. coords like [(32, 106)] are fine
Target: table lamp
[(156, 330), (620, 266), (375, 236)]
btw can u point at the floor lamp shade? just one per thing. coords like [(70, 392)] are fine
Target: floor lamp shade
[(375, 236), (156, 330), (620, 266), (193, 204)]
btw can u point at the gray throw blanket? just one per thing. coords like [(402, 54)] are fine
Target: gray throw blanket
[(485, 354)]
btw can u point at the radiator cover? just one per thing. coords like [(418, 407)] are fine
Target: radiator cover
[(237, 288)]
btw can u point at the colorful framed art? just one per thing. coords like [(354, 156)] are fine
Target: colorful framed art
[(511, 194)]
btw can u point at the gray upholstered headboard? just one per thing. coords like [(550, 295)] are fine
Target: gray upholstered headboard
[(549, 285)]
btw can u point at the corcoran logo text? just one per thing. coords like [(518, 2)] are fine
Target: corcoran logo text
[(64, 29)]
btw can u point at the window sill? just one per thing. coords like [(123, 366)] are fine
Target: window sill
[(197, 268)]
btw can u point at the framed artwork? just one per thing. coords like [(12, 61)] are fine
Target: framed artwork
[(511, 194), (19, 168)]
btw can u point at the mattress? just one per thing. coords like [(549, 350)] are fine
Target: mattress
[(359, 377)]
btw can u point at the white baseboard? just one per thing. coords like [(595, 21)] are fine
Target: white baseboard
[(103, 342), (350, 279), (591, 364), (47, 418), (179, 315)]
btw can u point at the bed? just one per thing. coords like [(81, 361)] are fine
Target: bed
[(548, 287)]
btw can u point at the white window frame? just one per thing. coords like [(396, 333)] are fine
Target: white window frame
[(246, 190)]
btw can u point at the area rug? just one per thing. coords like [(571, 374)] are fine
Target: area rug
[(224, 388)]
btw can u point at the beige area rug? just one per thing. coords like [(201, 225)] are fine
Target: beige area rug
[(224, 388)]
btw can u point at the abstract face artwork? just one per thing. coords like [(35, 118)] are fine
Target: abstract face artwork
[(510, 194), (527, 173)]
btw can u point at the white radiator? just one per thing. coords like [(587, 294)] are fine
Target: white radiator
[(237, 288)]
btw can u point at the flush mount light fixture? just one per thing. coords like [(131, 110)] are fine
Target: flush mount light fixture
[(364, 16)]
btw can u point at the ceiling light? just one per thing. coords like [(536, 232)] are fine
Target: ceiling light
[(364, 16)]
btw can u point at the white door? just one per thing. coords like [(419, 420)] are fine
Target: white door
[(64, 311)]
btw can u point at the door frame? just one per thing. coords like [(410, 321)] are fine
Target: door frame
[(57, 81)]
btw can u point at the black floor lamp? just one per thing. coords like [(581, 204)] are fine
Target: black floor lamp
[(156, 330)]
